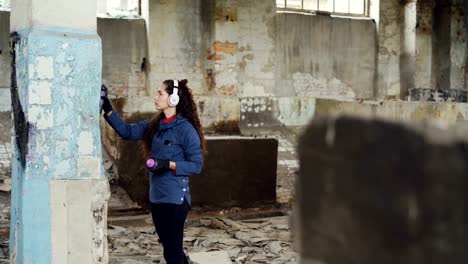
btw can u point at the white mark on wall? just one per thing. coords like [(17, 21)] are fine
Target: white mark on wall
[(85, 143), (46, 162), (43, 68), (256, 105), (307, 85), (89, 167), (64, 45), (40, 92), (296, 111), (252, 90), (41, 117)]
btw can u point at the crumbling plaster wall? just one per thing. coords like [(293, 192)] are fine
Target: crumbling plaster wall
[(325, 57), (124, 56), (176, 50)]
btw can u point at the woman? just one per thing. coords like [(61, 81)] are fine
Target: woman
[(174, 140)]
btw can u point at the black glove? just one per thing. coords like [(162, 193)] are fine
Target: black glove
[(158, 165), (106, 105)]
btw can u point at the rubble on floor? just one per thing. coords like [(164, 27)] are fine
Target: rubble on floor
[(132, 241), (265, 240)]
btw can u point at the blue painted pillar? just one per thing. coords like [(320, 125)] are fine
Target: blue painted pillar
[(59, 193)]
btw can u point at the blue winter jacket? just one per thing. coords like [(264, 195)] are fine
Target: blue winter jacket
[(177, 141)]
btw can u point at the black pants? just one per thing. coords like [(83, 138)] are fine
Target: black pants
[(169, 220)]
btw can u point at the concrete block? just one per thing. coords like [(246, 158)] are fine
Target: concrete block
[(70, 200), (85, 143), (73, 221), (238, 171), (372, 191), (218, 257), (230, 176)]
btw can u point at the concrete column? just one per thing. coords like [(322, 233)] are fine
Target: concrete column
[(408, 53), (457, 45), (441, 42), (424, 47), (465, 76), (257, 57), (390, 22), (59, 193), (224, 49)]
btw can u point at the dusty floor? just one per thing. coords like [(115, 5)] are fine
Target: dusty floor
[(256, 241), (260, 240), (131, 239)]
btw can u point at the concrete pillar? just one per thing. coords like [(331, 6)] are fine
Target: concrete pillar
[(59, 193), (257, 57), (408, 53), (465, 75), (390, 24), (224, 49), (424, 47), (457, 45), (441, 42)]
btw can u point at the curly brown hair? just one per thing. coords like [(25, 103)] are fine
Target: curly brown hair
[(186, 107)]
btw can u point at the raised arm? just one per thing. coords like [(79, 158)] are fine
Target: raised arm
[(126, 131)]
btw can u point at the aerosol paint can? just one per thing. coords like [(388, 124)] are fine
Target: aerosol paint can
[(151, 163)]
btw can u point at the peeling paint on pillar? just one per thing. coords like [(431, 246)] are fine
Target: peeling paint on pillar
[(58, 73)]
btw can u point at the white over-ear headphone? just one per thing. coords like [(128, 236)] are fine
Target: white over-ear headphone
[(173, 99)]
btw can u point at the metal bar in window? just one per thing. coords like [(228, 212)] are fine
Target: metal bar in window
[(302, 4), (349, 7), (364, 3), (368, 8), (318, 5)]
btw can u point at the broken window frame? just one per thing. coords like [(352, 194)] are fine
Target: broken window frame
[(318, 10)]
